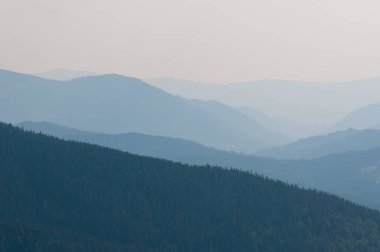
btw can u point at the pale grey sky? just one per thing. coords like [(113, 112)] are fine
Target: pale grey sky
[(207, 40)]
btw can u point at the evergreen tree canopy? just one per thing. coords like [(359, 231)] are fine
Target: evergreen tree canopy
[(66, 196)]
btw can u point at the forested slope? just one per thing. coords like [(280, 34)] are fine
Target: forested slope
[(66, 196)]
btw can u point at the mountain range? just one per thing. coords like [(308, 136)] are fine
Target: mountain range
[(127, 166), (118, 104)]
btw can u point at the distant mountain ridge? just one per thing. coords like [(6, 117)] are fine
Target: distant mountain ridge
[(63, 74), (292, 130), (118, 104), (363, 118), (296, 101), (318, 146), (179, 150)]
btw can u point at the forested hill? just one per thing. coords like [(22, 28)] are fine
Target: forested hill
[(66, 196)]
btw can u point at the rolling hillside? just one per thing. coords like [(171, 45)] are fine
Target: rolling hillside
[(67, 196)]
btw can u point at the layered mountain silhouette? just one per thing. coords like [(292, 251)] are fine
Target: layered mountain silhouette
[(175, 149), (68, 196), (318, 146), (292, 130), (118, 104), (353, 175), (316, 105)]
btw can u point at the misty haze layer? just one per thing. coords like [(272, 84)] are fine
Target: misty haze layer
[(207, 40)]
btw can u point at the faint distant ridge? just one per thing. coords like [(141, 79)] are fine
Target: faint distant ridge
[(333, 143), (292, 130), (290, 99), (363, 118), (64, 74)]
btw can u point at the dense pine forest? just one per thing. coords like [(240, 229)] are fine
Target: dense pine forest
[(67, 196)]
